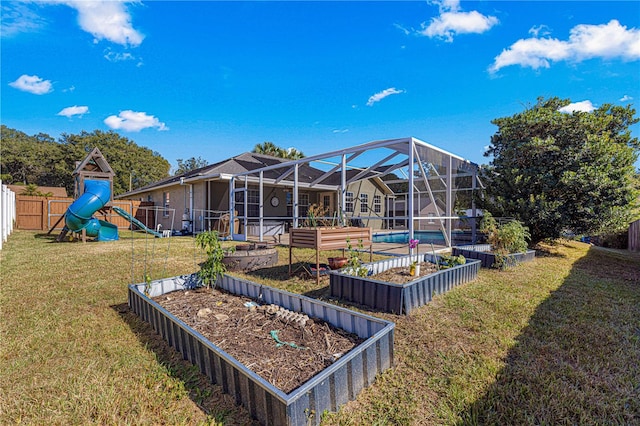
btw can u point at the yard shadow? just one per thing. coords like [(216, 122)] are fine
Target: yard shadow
[(216, 405), (276, 273), (576, 362), (44, 236)]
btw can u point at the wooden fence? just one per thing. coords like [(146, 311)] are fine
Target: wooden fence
[(634, 236), (46, 213)]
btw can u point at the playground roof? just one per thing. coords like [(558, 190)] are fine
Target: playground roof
[(94, 162)]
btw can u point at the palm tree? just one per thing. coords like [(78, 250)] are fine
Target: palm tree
[(293, 154), (269, 148)]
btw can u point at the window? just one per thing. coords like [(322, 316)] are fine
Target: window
[(377, 204), (348, 202), (326, 202), (303, 204), (364, 203), (253, 202), (165, 202)]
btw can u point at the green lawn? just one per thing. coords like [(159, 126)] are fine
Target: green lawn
[(555, 341)]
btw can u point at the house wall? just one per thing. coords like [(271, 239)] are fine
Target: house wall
[(212, 198), (369, 218)]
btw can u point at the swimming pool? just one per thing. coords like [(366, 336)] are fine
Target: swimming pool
[(425, 237)]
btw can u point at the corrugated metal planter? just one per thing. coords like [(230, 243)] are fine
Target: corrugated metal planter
[(399, 298), (488, 259), (332, 387)]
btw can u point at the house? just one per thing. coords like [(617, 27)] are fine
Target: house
[(50, 191), (199, 199)]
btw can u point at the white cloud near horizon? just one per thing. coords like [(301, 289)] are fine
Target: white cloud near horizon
[(383, 94), (582, 106), (606, 41), (133, 121), (453, 21), (74, 110), (108, 20), (626, 98), (32, 84)]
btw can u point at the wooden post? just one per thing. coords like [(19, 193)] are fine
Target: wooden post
[(317, 266)]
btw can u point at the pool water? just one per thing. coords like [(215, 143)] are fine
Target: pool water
[(425, 237)]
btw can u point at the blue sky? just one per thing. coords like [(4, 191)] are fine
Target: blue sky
[(213, 79)]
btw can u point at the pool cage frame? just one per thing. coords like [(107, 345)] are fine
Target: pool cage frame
[(429, 172)]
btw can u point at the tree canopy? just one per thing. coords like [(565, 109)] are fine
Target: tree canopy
[(189, 164), (43, 161), (559, 171), (270, 148)]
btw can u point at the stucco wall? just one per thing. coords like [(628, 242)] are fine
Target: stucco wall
[(215, 195), (375, 220)]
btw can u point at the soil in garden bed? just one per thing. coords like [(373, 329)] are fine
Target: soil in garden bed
[(267, 339), (400, 275)]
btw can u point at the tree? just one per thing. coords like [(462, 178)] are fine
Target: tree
[(269, 148), (43, 161), (556, 171), (134, 166), (192, 163)]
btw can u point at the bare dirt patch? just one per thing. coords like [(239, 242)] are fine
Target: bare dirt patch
[(274, 345), (401, 275)]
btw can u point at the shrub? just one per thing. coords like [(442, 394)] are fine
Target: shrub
[(212, 268), (507, 238)]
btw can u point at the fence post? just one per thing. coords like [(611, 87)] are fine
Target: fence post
[(634, 236)]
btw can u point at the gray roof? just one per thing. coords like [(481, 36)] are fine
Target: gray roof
[(245, 162)]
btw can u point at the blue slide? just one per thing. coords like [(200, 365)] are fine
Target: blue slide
[(97, 194)]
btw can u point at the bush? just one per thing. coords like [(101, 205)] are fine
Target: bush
[(617, 240), (508, 238), (212, 269)]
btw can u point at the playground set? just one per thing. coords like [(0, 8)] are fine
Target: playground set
[(93, 193)]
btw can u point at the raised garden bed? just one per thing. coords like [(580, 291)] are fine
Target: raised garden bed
[(335, 385), (483, 253), (399, 298), (322, 238)]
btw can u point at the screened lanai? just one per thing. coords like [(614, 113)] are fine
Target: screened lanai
[(419, 188)]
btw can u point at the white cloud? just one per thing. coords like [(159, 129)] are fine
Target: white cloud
[(582, 106), (626, 98), (381, 95), (19, 18), (32, 84), (118, 57), (340, 130), (452, 21), (403, 29), (74, 110), (108, 20), (133, 121), (605, 41), (539, 30)]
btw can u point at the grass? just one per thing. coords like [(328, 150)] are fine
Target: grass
[(554, 341)]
